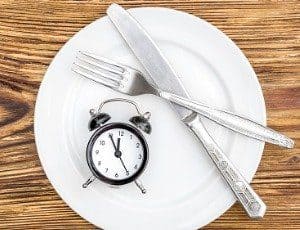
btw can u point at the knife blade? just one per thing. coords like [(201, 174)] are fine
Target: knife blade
[(164, 77), (154, 62)]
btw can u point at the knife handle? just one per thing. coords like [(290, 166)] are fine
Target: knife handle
[(232, 121), (251, 202)]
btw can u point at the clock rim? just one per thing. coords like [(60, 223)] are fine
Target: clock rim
[(95, 136)]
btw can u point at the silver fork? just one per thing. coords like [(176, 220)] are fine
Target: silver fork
[(130, 81)]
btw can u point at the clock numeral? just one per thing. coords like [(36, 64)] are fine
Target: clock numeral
[(97, 151), (106, 169), (140, 156), (99, 163), (102, 142), (116, 175), (135, 167), (138, 145), (121, 133), (130, 136)]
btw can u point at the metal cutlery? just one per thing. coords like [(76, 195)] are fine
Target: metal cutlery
[(130, 81), (164, 77)]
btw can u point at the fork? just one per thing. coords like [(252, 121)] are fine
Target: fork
[(130, 81)]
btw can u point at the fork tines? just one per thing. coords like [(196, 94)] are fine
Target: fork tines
[(98, 69)]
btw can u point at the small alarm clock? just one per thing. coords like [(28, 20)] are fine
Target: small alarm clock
[(117, 153)]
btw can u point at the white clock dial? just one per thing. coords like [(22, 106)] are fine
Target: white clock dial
[(118, 154)]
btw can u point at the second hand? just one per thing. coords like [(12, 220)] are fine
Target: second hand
[(118, 154)]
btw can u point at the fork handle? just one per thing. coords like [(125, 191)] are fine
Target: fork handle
[(251, 202), (232, 121)]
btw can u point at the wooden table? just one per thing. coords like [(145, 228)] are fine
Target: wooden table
[(31, 33)]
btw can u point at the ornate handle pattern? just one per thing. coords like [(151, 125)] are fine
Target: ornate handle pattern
[(233, 121), (251, 202)]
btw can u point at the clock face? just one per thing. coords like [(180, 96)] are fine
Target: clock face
[(117, 153)]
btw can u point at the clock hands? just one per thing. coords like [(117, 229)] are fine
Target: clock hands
[(127, 172), (112, 140), (118, 144), (118, 154)]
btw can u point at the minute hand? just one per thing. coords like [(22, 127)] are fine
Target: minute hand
[(163, 76)]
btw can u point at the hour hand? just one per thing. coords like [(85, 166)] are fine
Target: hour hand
[(118, 144)]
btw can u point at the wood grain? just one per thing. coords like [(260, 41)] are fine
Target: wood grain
[(31, 33)]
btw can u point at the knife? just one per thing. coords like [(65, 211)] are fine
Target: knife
[(164, 77)]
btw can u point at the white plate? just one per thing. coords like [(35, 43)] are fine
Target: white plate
[(185, 191)]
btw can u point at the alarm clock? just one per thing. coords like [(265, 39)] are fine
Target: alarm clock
[(117, 153)]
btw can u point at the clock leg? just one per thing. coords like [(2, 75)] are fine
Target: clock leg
[(89, 181), (140, 186)]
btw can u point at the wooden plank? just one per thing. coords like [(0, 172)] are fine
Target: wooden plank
[(31, 33)]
